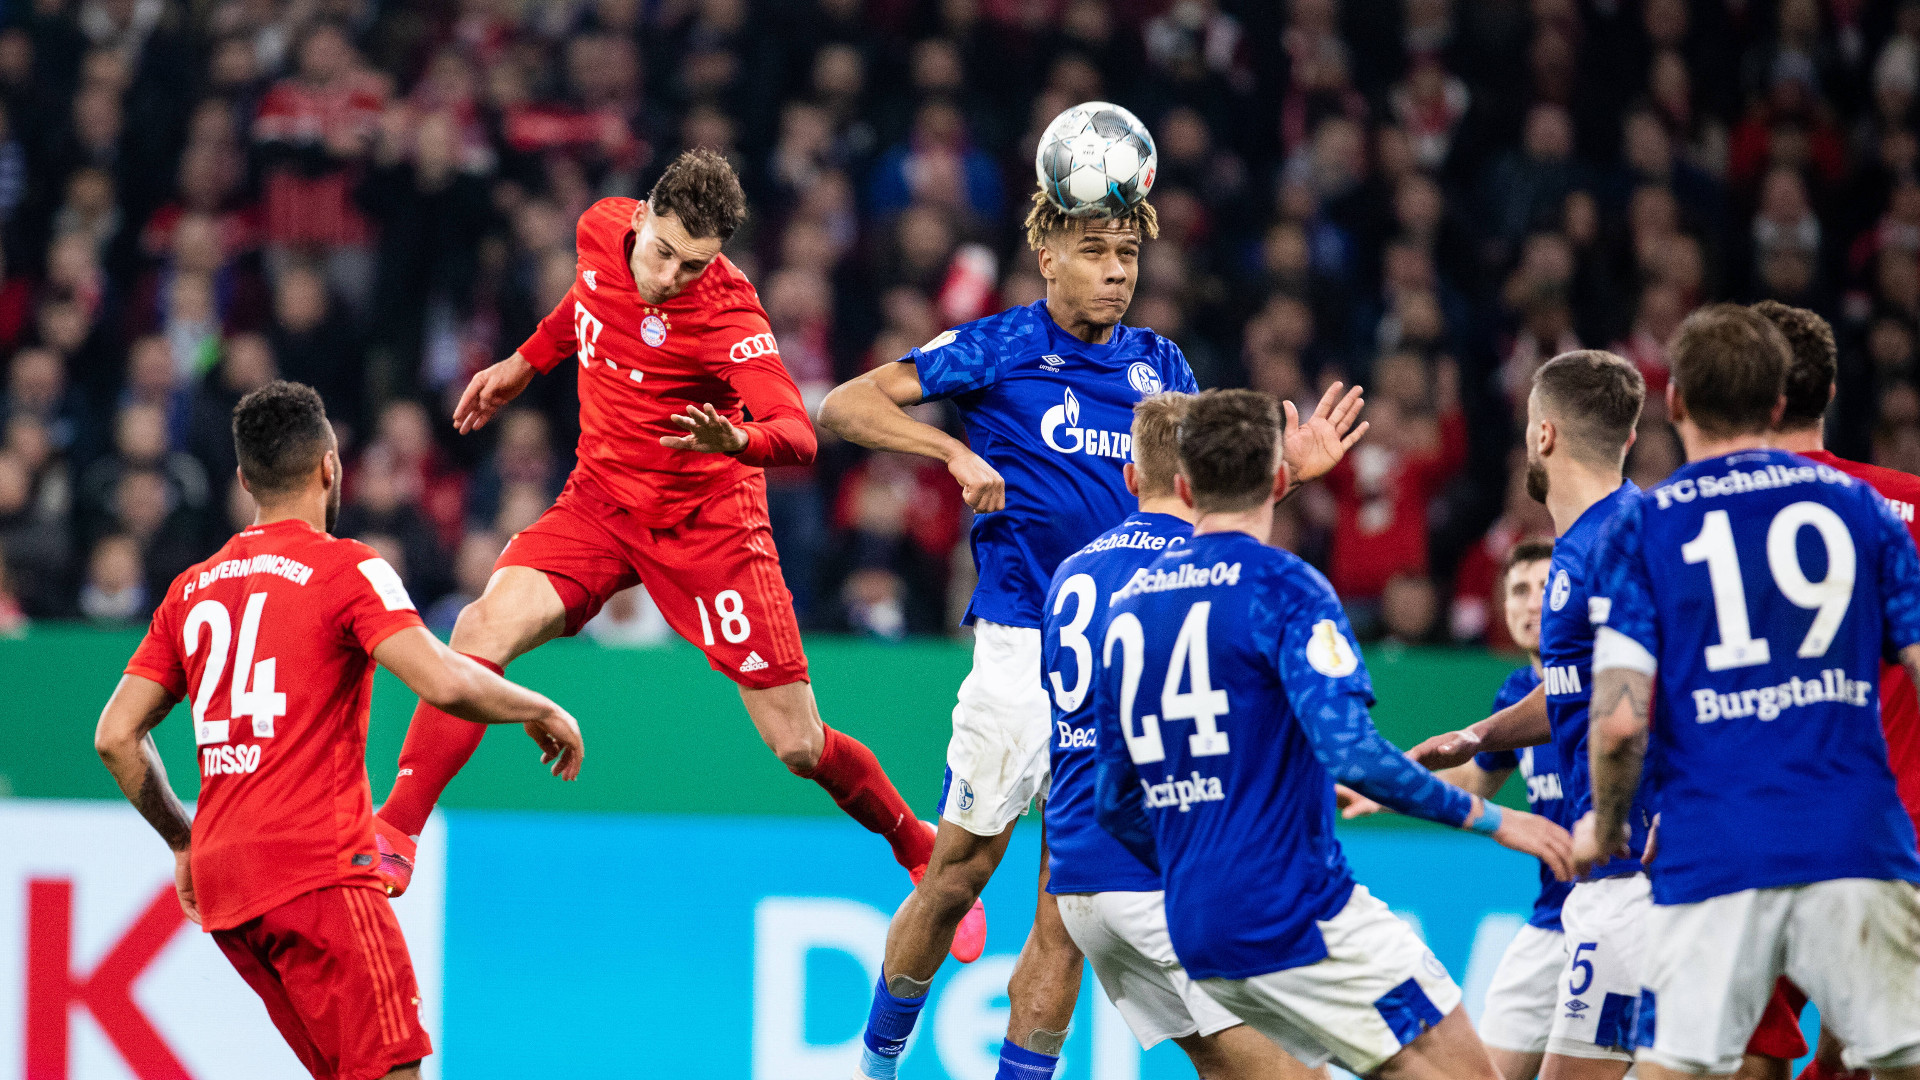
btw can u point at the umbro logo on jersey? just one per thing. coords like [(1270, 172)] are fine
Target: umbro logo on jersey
[(753, 663), (1052, 362), (591, 283)]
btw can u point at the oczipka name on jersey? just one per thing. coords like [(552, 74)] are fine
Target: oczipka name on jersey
[(277, 565), (1063, 420), (1744, 481), (1182, 793), (229, 760), (1768, 702), (1185, 576)]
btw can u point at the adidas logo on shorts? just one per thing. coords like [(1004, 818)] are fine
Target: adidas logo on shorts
[(753, 663)]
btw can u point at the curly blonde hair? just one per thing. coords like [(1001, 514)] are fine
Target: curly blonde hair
[(1046, 221)]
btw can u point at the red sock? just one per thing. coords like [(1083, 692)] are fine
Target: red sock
[(852, 775), (437, 745)]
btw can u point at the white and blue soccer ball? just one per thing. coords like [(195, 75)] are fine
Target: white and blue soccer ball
[(1096, 160)]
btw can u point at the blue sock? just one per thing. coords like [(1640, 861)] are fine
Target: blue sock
[(888, 1025), (1019, 1063)]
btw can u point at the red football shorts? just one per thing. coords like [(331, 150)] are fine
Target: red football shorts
[(334, 973), (1779, 1034), (715, 576)]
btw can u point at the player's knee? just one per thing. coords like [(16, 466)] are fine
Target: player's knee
[(952, 887), (799, 754)]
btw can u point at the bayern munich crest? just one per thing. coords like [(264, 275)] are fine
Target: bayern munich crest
[(653, 330)]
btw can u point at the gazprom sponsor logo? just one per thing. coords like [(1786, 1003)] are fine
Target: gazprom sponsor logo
[(1060, 429), (1768, 702), (1181, 794), (1564, 679)]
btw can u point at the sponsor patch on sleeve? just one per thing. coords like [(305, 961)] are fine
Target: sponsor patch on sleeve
[(1329, 652), (386, 585)]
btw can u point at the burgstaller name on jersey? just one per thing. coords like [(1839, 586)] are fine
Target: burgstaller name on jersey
[(1769, 701)]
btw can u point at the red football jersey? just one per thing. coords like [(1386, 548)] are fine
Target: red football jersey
[(640, 363), (271, 641), (1899, 707)]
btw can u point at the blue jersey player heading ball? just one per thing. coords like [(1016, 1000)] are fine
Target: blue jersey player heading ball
[(1755, 593), (1230, 699), (1047, 393)]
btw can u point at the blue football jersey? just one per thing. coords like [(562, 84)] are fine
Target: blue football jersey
[(1055, 416), (1230, 696), (1540, 767), (1566, 655), (1082, 856), (1780, 583)]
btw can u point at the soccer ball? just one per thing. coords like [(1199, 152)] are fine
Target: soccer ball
[(1096, 160)]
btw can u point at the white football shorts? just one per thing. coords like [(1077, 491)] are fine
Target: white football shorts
[(1853, 946), (1124, 936), (1605, 923), (997, 760), (1526, 987), (1377, 990)]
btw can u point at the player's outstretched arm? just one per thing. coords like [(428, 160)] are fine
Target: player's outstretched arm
[(1521, 724), (454, 684), (870, 411), (490, 390), (123, 741), (1311, 449)]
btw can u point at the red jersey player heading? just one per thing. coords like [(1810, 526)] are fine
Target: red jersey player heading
[(675, 352), (275, 637)]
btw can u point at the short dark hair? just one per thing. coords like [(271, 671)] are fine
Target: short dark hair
[(1595, 398), (1815, 362), (1046, 221), (1531, 550), (1156, 440), (1729, 367), (1229, 448), (280, 433), (701, 189)]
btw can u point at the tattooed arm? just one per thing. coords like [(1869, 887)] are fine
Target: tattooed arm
[(1617, 745), (125, 745)]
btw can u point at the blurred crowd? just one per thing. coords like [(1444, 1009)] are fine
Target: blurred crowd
[(1430, 197)]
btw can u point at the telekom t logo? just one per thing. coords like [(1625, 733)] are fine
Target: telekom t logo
[(54, 988)]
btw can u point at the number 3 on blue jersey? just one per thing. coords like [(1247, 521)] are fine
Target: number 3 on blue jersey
[(1200, 703), (1830, 596), (1073, 635)]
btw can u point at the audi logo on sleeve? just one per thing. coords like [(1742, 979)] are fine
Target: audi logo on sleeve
[(758, 345)]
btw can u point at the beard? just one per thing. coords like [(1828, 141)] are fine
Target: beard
[(1537, 480)]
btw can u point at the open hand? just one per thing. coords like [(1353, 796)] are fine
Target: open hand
[(708, 432), (1313, 448), (1591, 849), (489, 391), (1447, 750), (1534, 835), (183, 884), (560, 743), (981, 485)]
